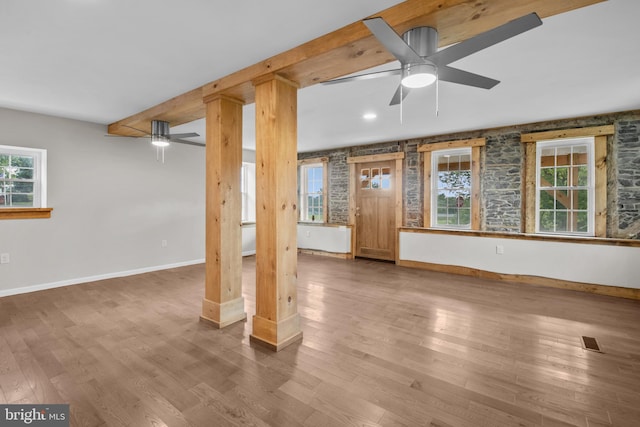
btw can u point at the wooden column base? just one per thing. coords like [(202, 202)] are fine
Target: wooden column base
[(276, 335), (221, 315)]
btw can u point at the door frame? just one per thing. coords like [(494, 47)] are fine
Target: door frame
[(353, 182)]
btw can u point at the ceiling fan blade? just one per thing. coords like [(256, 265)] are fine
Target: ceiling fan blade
[(392, 41), (184, 141), (108, 135), (454, 75), (367, 76), (401, 93), (486, 39), (144, 133), (183, 135)]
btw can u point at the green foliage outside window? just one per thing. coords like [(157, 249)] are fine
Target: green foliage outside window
[(16, 181)]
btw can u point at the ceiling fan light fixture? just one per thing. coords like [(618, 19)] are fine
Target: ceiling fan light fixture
[(159, 141), (159, 133), (418, 75)]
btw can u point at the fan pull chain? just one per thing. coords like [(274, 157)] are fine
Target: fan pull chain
[(158, 154), (401, 102), (437, 94)]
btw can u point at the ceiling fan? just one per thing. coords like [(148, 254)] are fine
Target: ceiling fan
[(161, 137), (421, 64)]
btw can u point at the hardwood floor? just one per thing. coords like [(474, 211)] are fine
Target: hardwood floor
[(383, 345)]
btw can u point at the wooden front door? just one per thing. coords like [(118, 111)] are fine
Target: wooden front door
[(375, 210)]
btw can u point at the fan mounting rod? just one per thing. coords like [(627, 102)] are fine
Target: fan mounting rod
[(424, 41), (159, 133)]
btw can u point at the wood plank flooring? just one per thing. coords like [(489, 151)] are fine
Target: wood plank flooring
[(383, 346)]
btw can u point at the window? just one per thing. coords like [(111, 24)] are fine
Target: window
[(375, 179), (452, 184), (248, 188), (312, 190), (22, 177), (565, 190), (451, 193), (565, 183)]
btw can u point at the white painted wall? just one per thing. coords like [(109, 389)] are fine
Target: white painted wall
[(314, 237), (113, 205), (577, 262), (324, 238), (248, 239)]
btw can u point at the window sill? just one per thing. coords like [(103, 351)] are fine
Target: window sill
[(25, 213), (526, 236)]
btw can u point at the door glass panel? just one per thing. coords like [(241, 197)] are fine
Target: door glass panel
[(365, 179), (386, 178), (375, 178)]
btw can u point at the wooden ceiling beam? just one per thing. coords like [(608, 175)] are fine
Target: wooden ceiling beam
[(347, 50)]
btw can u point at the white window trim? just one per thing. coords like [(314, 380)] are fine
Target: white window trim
[(302, 183), (475, 144), (567, 142), (248, 192), (434, 188), (39, 172)]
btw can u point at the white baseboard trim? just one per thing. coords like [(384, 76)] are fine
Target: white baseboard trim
[(80, 280), (248, 253)]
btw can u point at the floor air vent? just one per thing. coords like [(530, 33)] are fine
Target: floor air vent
[(590, 343)]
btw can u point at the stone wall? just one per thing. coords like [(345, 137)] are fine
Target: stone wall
[(628, 178), (502, 169), (501, 174)]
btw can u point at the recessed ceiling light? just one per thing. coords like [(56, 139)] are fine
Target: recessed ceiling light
[(369, 116)]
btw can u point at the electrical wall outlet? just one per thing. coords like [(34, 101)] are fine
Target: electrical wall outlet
[(308, 233), (163, 244), (499, 249), (5, 258)]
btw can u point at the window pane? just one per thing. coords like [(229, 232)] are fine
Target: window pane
[(582, 222), (22, 187), (546, 221), (583, 176), (365, 179), (22, 161), (22, 200), (581, 201), (561, 177), (452, 216), (454, 163), (548, 152), (4, 160), (443, 178), (546, 200), (561, 221), (546, 177), (24, 173), (386, 178), (442, 216), (579, 155), (465, 216), (375, 178), (562, 199)]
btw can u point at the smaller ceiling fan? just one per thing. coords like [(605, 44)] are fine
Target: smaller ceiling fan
[(421, 64), (161, 137)]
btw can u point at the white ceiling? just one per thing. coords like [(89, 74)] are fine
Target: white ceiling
[(103, 60)]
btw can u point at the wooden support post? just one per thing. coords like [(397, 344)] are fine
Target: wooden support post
[(276, 323), (223, 303)]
